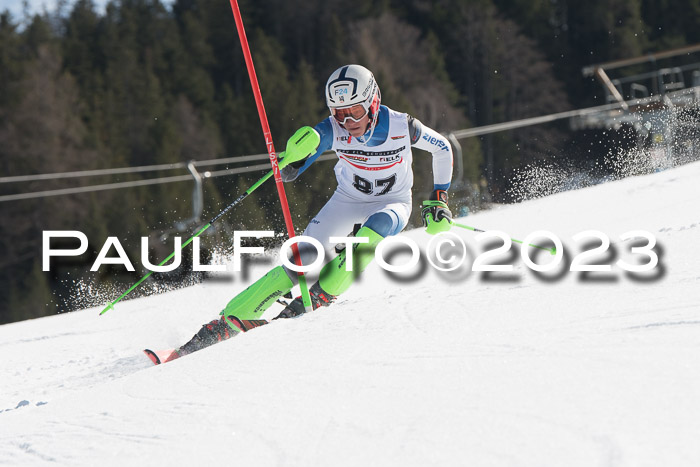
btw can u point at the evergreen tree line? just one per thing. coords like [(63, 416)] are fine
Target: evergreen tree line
[(144, 83)]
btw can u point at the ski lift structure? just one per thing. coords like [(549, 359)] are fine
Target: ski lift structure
[(651, 103)]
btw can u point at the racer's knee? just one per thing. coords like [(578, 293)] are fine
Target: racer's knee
[(385, 223)]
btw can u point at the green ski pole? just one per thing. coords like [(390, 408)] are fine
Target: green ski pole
[(552, 250), (199, 232), (300, 145)]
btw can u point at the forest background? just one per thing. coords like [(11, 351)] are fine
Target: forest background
[(140, 82)]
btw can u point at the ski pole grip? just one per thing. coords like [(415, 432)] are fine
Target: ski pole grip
[(302, 144)]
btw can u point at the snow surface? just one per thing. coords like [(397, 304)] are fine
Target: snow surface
[(456, 368)]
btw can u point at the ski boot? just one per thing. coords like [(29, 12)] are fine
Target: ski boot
[(318, 297), (335, 278), (215, 331)]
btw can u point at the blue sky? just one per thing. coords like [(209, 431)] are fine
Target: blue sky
[(37, 6), (15, 6)]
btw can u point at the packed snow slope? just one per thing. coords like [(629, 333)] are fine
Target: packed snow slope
[(460, 368)]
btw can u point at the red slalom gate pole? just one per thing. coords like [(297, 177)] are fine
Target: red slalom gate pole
[(270, 147)]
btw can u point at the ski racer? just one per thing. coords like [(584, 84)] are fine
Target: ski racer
[(372, 200)]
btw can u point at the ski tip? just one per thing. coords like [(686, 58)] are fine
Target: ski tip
[(161, 356), (152, 356)]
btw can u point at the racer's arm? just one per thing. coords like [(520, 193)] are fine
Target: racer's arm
[(427, 139), (293, 170)]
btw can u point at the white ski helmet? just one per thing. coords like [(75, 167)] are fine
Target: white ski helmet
[(350, 86)]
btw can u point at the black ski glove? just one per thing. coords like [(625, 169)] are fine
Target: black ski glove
[(291, 171), (435, 214)]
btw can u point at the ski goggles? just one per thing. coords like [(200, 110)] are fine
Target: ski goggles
[(355, 113)]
